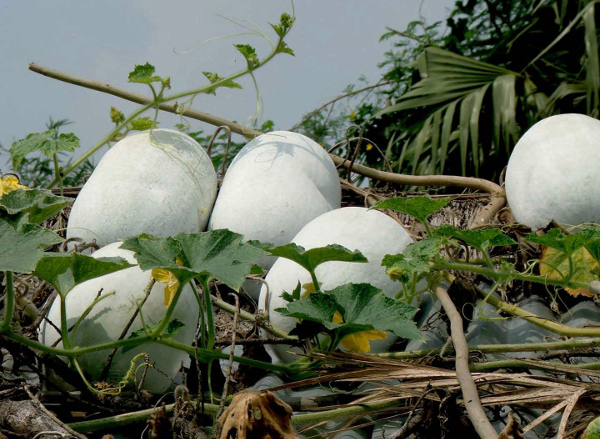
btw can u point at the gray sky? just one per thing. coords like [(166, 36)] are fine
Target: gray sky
[(335, 42)]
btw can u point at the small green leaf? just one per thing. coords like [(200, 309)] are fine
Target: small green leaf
[(116, 116), (46, 142), (172, 328), (418, 207), (34, 205), (316, 307), (295, 294), (22, 247), (311, 259), (65, 271), (214, 78), (415, 259), (285, 24), (249, 54), (284, 48), (143, 124), (478, 238), (257, 269), (144, 74)]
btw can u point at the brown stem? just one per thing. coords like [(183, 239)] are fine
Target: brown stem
[(467, 384), (487, 213), (141, 99)]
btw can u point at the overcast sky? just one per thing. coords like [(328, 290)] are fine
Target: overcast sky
[(335, 41)]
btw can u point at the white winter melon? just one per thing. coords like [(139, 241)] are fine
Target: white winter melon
[(160, 183), (109, 317), (553, 172), (369, 231), (276, 184)]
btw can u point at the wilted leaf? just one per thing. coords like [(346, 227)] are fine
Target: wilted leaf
[(555, 265)]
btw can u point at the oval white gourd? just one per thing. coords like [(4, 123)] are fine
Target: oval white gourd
[(160, 184), (553, 172), (370, 231), (276, 184), (108, 318)]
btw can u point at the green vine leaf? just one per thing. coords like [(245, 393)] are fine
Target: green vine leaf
[(143, 124), (116, 116), (311, 259), (214, 78), (219, 253), (23, 246), (554, 238), (47, 142), (249, 54), (362, 307), (32, 206), (65, 271), (414, 260), (478, 238), (417, 207), (144, 74), (286, 21), (284, 48)]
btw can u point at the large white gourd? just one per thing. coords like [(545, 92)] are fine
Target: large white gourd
[(553, 172), (356, 228), (109, 317), (276, 184), (160, 183)]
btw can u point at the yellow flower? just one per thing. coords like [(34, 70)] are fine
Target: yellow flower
[(9, 184), (353, 114), (308, 288), (166, 277), (369, 146), (359, 341)]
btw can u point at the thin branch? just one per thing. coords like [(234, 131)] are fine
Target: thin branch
[(144, 100), (467, 384)]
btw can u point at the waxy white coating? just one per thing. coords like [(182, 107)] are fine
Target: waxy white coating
[(356, 228), (109, 317), (554, 172), (276, 184), (161, 185)]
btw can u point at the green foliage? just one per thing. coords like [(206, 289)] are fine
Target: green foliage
[(23, 246), (48, 142), (362, 307), (144, 74), (218, 254), (415, 260), (418, 207), (311, 259), (32, 206), (219, 81), (249, 54), (65, 271), (143, 124), (480, 239)]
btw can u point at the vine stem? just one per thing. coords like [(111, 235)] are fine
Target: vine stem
[(10, 301), (477, 415)]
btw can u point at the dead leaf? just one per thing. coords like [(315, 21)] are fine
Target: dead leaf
[(512, 429), (555, 265), (254, 414)]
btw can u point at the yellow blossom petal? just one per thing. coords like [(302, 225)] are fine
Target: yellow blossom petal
[(166, 277), (9, 184), (359, 341), (369, 146), (308, 289)]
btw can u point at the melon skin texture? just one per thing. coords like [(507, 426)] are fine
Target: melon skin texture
[(160, 184), (356, 228), (553, 172), (276, 184), (109, 317)]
